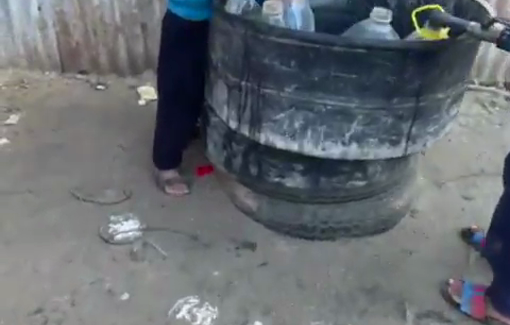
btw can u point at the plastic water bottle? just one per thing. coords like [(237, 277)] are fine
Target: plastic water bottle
[(242, 7), (272, 13), (377, 26), (300, 16)]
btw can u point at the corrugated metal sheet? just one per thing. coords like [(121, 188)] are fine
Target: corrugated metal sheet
[(493, 65), (101, 36), (122, 36)]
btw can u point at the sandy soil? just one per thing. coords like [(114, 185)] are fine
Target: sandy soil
[(54, 269)]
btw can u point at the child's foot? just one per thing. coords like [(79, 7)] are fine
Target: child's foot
[(474, 237), (470, 299), (172, 183)]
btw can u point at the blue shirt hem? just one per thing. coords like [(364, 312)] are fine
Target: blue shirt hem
[(190, 13)]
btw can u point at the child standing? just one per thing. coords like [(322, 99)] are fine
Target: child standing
[(181, 80)]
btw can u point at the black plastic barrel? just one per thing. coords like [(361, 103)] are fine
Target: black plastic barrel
[(317, 136)]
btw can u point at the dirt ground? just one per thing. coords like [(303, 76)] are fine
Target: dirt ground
[(222, 268)]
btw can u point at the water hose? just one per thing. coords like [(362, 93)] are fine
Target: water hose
[(432, 22)]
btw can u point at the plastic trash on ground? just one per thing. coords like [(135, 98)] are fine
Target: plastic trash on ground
[(377, 26), (147, 94), (300, 16), (122, 229), (100, 86), (13, 119), (205, 170), (4, 141), (193, 310)]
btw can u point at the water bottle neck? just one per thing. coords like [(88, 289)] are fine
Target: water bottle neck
[(299, 3), (381, 15)]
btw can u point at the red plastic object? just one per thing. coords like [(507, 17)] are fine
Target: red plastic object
[(204, 170)]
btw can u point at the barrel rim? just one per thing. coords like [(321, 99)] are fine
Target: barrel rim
[(285, 35)]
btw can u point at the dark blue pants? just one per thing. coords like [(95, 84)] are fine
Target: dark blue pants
[(497, 248), (181, 81)]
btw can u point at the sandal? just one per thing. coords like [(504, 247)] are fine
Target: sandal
[(472, 301), (166, 183), (474, 237)]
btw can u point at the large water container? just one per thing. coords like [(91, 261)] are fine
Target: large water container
[(317, 136)]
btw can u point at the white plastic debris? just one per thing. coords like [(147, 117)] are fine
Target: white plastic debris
[(4, 141), (122, 229), (100, 86), (125, 296), (147, 94), (192, 310), (13, 119), (124, 226)]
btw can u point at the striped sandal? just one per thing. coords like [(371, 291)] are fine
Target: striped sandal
[(470, 299)]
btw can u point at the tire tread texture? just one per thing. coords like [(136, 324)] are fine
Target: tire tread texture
[(311, 221)]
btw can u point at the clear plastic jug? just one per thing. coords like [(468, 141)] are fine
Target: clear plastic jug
[(272, 13), (300, 16), (242, 7), (377, 26)]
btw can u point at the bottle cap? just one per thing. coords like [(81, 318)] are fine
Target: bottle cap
[(382, 15)]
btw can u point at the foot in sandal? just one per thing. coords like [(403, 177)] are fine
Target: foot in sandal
[(172, 183), (474, 237), (471, 299)]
